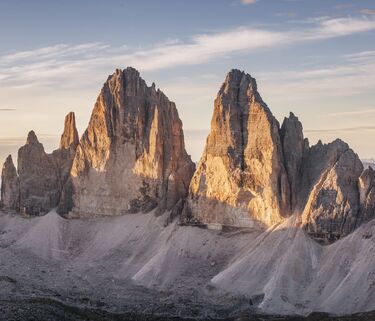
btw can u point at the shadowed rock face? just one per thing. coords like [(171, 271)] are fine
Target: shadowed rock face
[(40, 181), (293, 144), (366, 186), (241, 176), (63, 158), (9, 185), (333, 205), (132, 156), (38, 176)]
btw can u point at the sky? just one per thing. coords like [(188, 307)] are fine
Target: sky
[(313, 57)]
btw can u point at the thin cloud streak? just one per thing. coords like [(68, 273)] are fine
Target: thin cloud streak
[(247, 2), (339, 130), (368, 11), (352, 113), (19, 141)]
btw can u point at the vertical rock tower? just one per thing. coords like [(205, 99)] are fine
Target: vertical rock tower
[(9, 185), (241, 178), (132, 156)]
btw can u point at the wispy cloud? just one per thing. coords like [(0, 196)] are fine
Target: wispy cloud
[(344, 6), (287, 14), (362, 56), (351, 75), (6, 109), (60, 50), (352, 113), (368, 11), (339, 130), (247, 2), (54, 65)]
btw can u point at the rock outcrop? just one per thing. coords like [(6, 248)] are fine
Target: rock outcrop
[(9, 185), (333, 205), (69, 138), (366, 187), (241, 178), (294, 147), (38, 177), (132, 156), (41, 179), (254, 171), (63, 158)]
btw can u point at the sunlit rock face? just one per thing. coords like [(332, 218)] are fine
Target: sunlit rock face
[(69, 138), (241, 178), (132, 156), (9, 185)]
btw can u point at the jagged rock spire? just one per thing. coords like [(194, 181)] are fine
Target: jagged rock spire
[(31, 138), (293, 144), (69, 138), (38, 177), (9, 185)]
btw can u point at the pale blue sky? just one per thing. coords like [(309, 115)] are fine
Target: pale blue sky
[(313, 57)]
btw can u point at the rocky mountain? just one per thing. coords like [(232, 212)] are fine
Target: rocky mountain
[(254, 171), (37, 184), (132, 156)]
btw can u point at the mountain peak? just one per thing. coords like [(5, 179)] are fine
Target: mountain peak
[(32, 138)]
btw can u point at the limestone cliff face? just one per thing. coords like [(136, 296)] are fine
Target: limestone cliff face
[(132, 156), (9, 185), (241, 178), (38, 177)]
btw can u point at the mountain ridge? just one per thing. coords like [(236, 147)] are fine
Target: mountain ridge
[(132, 158)]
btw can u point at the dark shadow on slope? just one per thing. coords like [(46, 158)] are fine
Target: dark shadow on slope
[(54, 310)]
